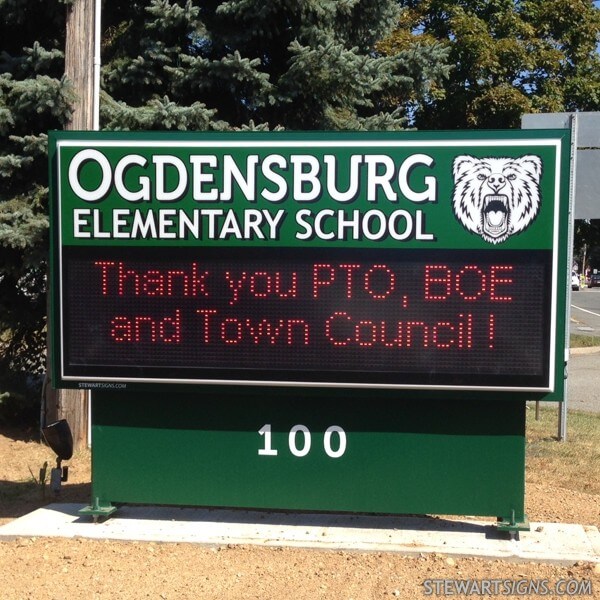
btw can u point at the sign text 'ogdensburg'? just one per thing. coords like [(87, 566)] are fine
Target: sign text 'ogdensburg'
[(273, 179)]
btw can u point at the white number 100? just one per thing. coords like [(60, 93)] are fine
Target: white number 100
[(300, 440)]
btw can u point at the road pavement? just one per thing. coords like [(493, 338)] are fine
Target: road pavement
[(585, 312), (583, 383)]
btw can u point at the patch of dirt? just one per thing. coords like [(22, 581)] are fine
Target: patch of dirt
[(546, 503), (54, 569)]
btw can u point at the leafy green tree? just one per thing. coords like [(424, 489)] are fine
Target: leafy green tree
[(508, 57), (586, 250)]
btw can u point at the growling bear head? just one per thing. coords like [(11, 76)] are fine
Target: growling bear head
[(496, 197)]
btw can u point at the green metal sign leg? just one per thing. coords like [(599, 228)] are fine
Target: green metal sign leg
[(98, 510)]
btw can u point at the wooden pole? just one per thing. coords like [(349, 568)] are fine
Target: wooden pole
[(73, 405), (79, 61)]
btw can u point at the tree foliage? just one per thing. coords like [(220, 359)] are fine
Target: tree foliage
[(508, 57), (305, 64), (34, 97), (586, 250), (179, 65)]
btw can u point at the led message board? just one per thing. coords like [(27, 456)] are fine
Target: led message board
[(379, 260)]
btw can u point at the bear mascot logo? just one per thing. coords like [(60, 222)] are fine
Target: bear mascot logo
[(496, 197)]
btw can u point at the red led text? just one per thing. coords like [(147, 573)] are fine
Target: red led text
[(235, 330), (341, 329), (119, 280), (144, 328), (471, 283)]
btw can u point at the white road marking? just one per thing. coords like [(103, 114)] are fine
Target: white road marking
[(585, 310)]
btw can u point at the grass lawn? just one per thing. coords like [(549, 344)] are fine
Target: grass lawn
[(578, 340), (574, 464)]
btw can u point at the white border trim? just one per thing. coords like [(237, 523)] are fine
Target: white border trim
[(213, 143)]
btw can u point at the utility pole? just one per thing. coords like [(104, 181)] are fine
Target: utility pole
[(79, 61), (80, 56)]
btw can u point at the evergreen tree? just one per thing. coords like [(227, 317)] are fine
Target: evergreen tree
[(508, 57), (305, 64), (180, 65), (34, 97)]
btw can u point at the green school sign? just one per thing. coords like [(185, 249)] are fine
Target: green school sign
[(290, 320), (403, 261)]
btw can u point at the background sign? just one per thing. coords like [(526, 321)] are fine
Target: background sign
[(381, 260)]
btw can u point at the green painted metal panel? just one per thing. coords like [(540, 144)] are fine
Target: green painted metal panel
[(399, 457)]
